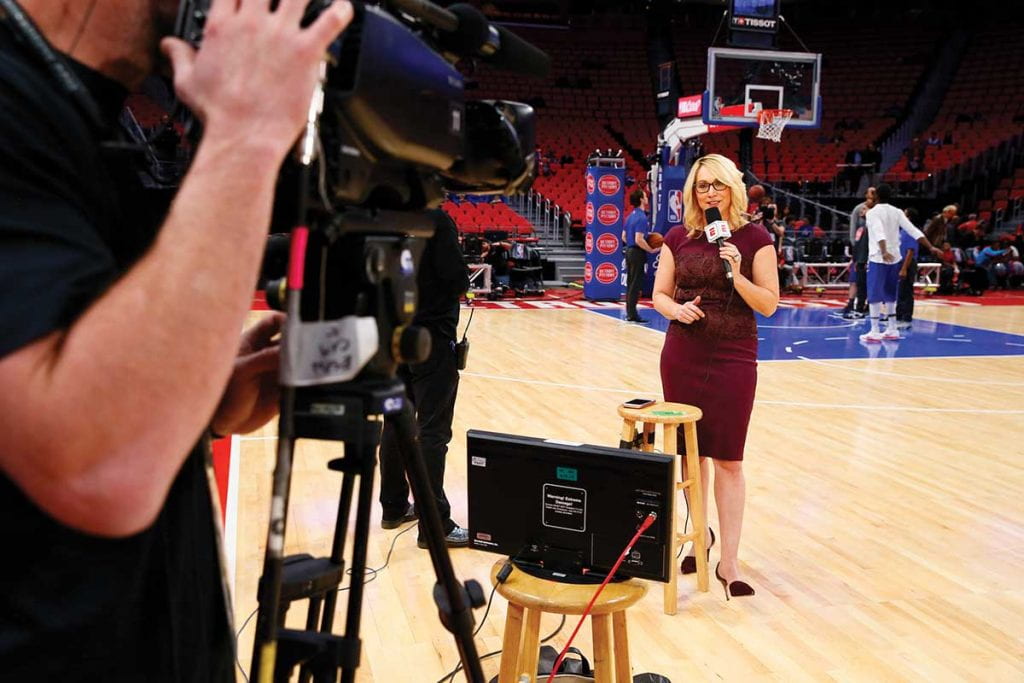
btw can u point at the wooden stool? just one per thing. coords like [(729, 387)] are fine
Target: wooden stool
[(520, 648), (671, 415)]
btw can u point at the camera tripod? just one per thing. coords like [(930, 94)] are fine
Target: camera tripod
[(351, 412)]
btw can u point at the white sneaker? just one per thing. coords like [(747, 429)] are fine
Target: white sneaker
[(891, 334), (874, 337)]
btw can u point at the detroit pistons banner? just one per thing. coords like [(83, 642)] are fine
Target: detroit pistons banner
[(603, 242)]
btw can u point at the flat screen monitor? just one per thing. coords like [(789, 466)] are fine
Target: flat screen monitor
[(567, 510)]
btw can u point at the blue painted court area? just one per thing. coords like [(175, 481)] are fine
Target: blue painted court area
[(821, 334)]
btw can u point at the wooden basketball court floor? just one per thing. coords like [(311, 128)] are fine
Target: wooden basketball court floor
[(884, 528)]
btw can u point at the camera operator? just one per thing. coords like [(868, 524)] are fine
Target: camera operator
[(431, 385), (119, 326)]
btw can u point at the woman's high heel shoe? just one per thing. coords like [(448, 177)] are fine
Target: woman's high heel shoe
[(689, 563), (737, 589)]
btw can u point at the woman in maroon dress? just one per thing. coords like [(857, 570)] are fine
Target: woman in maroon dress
[(710, 355)]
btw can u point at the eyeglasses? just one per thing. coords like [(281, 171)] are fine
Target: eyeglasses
[(704, 186)]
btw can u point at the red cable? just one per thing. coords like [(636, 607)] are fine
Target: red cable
[(643, 527)]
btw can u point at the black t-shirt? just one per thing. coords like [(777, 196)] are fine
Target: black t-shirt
[(442, 279), (860, 248), (75, 607)]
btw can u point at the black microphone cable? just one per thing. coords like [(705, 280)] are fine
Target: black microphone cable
[(370, 572)]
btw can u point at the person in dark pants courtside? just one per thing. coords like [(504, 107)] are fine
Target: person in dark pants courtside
[(432, 385), (636, 227)]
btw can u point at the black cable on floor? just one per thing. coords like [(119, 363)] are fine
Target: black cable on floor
[(370, 571)]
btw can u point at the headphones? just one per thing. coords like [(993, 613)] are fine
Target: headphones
[(27, 34)]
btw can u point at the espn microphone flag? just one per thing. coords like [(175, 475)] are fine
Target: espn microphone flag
[(717, 231)]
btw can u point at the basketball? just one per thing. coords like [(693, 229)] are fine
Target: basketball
[(755, 193), (655, 239)]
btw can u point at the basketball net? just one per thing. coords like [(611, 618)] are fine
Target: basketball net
[(772, 122)]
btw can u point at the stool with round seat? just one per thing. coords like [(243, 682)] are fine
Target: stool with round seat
[(671, 416), (529, 596)]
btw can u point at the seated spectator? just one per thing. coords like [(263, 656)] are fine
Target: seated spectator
[(948, 138), (948, 270), (1009, 269), (499, 255), (790, 267), (988, 258), (804, 228)]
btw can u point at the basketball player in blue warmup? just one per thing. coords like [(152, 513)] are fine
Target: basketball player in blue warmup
[(884, 222)]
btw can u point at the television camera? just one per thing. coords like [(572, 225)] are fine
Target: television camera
[(389, 132)]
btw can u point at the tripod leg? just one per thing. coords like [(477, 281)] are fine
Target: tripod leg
[(264, 648), (366, 450), (338, 546), (448, 592)]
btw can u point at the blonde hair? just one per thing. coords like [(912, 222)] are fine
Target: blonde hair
[(725, 170)]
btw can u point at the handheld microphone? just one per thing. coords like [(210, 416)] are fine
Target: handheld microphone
[(717, 231)]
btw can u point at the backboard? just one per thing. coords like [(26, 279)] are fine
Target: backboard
[(762, 79)]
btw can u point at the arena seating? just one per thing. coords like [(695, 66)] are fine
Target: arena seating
[(984, 105), (599, 79), (477, 215), (1009, 192)]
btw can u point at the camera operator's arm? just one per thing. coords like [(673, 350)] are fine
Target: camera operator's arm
[(100, 415)]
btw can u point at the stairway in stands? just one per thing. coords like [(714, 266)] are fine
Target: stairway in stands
[(568, 258)]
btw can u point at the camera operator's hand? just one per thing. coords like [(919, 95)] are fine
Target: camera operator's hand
[(252, 394), (251, 80)]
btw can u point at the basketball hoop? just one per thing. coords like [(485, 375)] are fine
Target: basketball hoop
[(772, 122)]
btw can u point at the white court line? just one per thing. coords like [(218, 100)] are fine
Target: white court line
[(798, 343), (907, 409), (231, 514), (1013, 344), (930, 378), (836, 338), (795, 404), (540, 382), (968, 341), (622, 322), (809, 327)]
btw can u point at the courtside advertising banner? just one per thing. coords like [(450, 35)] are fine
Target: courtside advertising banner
[(603, 242), (669, 215)]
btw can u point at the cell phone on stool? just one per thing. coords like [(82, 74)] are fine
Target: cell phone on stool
[(639, 403)]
